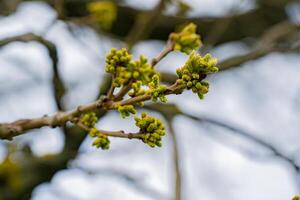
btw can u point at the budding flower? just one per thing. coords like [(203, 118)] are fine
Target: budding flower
[(152, 129), (89, 119), (101, 141), (156, 90), (119, 63), (193, 72), (126, 110), (187, 39)]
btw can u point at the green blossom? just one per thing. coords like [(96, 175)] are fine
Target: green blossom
[(136, 89), (89, 119), (143, 71), (152, 129), (119, 63), (187, 39), (126, 110), (156, 90), (193, 72), (101, 140)]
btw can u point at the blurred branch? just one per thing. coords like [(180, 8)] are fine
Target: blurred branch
[(271, 41), (251, 137), (58, 85), (173, 110), (35, 170), (249, 24), (169, 111), (130, 179), (176, 160), (59, 7), (279, 38), (144, 23)]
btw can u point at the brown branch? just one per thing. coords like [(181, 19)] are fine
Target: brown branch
[(111, 90), (119, 134), (173, 89), (124, 90), (10, 130), (168, 48)]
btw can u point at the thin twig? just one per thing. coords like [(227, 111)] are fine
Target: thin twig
[(119, 134), (124, 90), (111, 90), (169, 47), (10, 130)]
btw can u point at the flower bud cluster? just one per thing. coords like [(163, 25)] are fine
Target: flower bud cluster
[(152, 129), (137, 89), (193, 72), (119, 63), (101, 140), (156, 90), (104, 13), (89, 119), (126, 110), (187, 39)]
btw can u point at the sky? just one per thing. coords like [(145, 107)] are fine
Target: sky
[(261, 96)]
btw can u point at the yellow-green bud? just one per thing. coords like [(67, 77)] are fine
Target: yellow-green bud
[(187, 39), (152, 129), (89, 119), (193, 72), (126, 110), (156, 90), (101, 140)]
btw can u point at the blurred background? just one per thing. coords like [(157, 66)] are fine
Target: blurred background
[(241, 142)]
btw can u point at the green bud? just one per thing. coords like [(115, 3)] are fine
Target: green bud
[(151, 128), (187, 39), (101, 140), (89, 119), (126, 110), (156, 90), (195, 70)]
